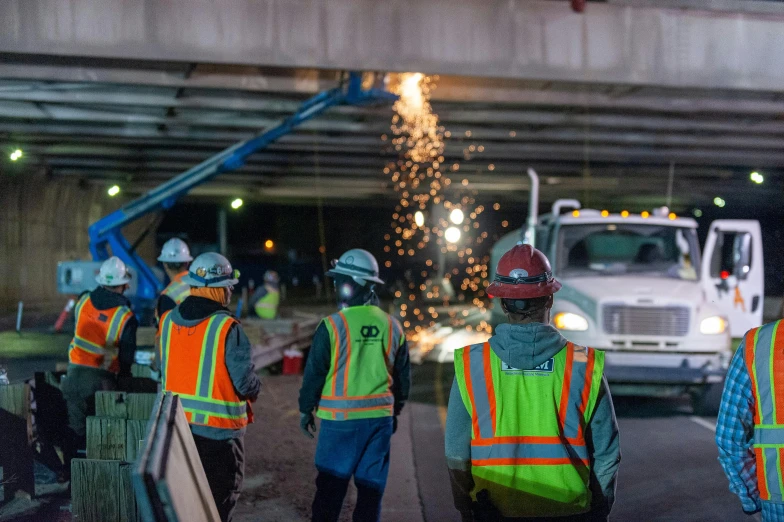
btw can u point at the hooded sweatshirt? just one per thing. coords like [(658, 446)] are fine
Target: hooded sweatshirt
[(526, 346)]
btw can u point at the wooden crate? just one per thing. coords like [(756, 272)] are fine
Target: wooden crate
[(101, 491), (168, 477), (106, 438)]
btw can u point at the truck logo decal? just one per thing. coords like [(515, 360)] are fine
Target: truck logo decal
[(545, 367)]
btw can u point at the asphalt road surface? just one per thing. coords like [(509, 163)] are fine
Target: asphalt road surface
[(669, 469)]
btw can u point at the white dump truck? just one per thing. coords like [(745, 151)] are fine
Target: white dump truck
[(638, 287)]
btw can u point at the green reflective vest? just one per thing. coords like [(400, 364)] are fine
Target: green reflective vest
[(527, 443), (267, 306), (365, 341)]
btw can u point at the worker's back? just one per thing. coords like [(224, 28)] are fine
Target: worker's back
[(528, 448), (364, 341)]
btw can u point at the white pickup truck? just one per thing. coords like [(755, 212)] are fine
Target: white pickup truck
[(638, 288)]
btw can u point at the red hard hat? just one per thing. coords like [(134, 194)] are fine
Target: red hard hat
[(523, 273)]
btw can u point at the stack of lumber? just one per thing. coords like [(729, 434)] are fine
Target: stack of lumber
[(16, 452), (101, 486), (168, 477), (271, 337)]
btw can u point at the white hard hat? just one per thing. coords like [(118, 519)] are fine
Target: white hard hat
[(271, 276), (113, 273), (175, 250), (358, 264), (211, 269)]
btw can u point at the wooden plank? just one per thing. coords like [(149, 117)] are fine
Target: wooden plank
[(111, 404), (106, 438), (89, 502), (140, 405), (135, 430), (15, 398), (127, 510)]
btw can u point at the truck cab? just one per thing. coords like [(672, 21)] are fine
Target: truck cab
[(639, 288)]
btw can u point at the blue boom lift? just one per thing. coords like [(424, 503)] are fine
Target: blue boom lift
[(106, 233)]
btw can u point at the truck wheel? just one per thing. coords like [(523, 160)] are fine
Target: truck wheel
[(706, 401)]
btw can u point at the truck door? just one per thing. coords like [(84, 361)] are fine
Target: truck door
[(733, 272)]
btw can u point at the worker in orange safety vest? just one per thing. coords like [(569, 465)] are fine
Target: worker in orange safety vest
[(205, 358), (101, 352)]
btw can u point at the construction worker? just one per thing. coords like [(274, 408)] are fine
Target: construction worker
[(530, 430), (267, 297), (206, 360), (175, 256), (750, 427), (357, 377), (101, 352)]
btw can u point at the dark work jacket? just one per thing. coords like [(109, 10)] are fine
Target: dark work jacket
[(319, 362), (103, 299), (247, 384)]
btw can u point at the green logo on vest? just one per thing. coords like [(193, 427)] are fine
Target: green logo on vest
[(545, 367), (370, 331)]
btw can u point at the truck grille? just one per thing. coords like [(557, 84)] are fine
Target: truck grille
[(645, 320)]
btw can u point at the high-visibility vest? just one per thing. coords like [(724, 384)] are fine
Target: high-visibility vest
[(365, 341), (176, 289), (267, 306), (765, 364), (527, 442), (193, 366), (96, 340)]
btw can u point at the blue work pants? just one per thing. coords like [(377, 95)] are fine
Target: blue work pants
[(358, 448)]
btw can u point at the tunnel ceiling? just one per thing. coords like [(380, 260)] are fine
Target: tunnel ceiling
[(141, 123)]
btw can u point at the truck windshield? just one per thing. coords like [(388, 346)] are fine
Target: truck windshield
[(621, 248)]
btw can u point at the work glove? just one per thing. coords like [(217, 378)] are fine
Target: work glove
[(307, 424)]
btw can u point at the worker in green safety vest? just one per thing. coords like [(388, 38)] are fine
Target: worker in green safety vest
[(267, 298), (357, 379), (531, 431)]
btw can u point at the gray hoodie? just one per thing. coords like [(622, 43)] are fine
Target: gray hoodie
[(526, 346)]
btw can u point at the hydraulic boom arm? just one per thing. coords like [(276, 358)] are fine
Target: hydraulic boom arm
[(106, 232)]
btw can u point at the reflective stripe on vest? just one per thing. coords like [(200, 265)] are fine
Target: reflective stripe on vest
[(361, 336), (267, 306), (544, 457), (764, 358), (177, 290), (97, 335), (193, 366)]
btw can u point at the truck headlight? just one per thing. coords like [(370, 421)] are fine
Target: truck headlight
[(713, 325), (570, 321)]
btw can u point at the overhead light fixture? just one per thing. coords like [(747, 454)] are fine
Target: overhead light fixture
[(419, 218), (697, 212), (269, 244), (456, 216), (237, 203), (452, 234), (719, 202), (15, 155), (113, 190), (756, 177)]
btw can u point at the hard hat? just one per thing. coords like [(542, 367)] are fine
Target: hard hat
[(358, 264), (523, 273), (113, 273), (175, 250), (271, 276), (211, 269)]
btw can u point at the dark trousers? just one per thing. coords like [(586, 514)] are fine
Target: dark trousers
[(358, 448), (79, 387), (224, 464)]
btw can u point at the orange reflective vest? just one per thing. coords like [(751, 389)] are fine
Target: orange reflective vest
[(765, 363), (176, 289), (96, 340), (365, 342), (528, 445), (193, 366)]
